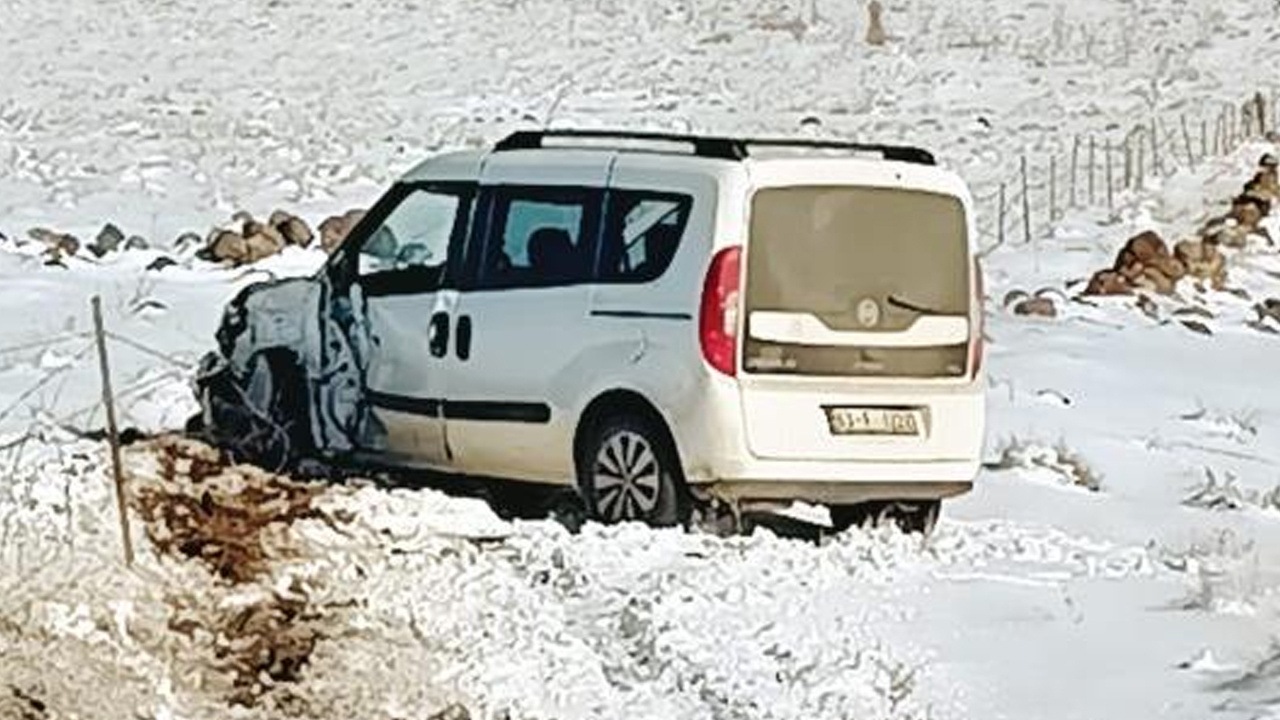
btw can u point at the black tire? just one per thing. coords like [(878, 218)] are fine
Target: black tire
[(628, 470), (911, 516), (273, 407)]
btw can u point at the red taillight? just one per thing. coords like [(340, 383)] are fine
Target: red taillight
[(718, 314), (975, 340)]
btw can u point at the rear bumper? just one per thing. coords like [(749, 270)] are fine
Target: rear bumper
[(843, 483)]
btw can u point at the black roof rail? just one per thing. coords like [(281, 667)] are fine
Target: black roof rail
[(900, 153), (721, 148), (703, 146)]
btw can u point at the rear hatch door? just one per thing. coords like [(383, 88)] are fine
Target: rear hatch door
[(858, 318)]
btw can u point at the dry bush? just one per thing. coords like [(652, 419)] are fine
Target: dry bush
[(1070, 466), (1225, 494)]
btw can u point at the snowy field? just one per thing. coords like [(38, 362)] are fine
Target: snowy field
[(1093, 572)]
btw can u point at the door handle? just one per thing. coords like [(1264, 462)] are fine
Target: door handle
[(438, 334), (463, 345)]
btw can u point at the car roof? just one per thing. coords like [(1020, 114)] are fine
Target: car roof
[(778, 159)]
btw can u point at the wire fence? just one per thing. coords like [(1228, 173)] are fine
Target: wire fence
[(1096, 169), (29, 517), (39, 410)]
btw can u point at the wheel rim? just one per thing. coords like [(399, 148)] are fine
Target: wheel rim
[(627, 477)]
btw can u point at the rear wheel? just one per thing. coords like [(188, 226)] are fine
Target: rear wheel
[(629, 470), (911, 516)]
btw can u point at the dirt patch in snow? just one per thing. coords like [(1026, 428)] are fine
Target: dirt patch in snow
[(236, 521)]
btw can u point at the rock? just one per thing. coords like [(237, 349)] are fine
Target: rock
[(228, 246), (253, 227), (1013, 296), (62, 243), (1203, 261), (187, 242), (1269, 308), (1196, 326), (1196, 311), (336, 228), (1247, 210), (1145, 262), (136, 242), (108, 240), (1140, 249), (1108, 282), (263, 245), (161, 263), (1148, 307), (1264, 185), (292, 228), (1037, 306), (1224, 231), (1159, 281)]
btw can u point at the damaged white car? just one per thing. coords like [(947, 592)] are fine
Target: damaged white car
[(653, 320)]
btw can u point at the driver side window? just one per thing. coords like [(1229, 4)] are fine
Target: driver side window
[(415, 236)]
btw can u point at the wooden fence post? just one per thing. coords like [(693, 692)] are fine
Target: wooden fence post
[(113, 432), (1156, 167), (1003, 210), (1075, 158), (1111, 195), (1093, 146), (1260, 105), (1142, 164), (1026, 204), (1053, 188), (1186, 139), (1275, 112), (1128, 160)]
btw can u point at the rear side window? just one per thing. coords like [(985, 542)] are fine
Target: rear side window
[(641, 235), (540, 237)]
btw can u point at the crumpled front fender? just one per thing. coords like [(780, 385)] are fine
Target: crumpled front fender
[(280, 315)]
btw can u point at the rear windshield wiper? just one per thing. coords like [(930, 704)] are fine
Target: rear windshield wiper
[(898, 302)]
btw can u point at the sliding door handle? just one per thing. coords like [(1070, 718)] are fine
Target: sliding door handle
[(438, 334), (463, 345)]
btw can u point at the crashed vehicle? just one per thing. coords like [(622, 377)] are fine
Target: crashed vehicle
[(655, 320)]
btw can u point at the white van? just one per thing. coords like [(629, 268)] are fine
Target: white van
[(654, 319)]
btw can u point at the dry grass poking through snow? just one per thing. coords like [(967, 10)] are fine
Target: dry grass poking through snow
[(1062, 463)]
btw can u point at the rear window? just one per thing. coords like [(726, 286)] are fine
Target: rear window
[(858, 259), (642, 233)]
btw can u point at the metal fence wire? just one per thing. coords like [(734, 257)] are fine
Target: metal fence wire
[(1096, 168)]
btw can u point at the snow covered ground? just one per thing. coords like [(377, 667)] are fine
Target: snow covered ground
[(1036, 598)]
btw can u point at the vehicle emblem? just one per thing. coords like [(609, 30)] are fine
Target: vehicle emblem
[(868, 313)]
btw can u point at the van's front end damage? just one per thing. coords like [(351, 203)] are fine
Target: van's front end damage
[(256, 390)]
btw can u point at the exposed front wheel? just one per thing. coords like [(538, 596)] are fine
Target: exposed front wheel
[(261, 416), (628, 470), (911, 516)]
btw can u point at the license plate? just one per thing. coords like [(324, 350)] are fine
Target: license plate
[(873, 421)]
